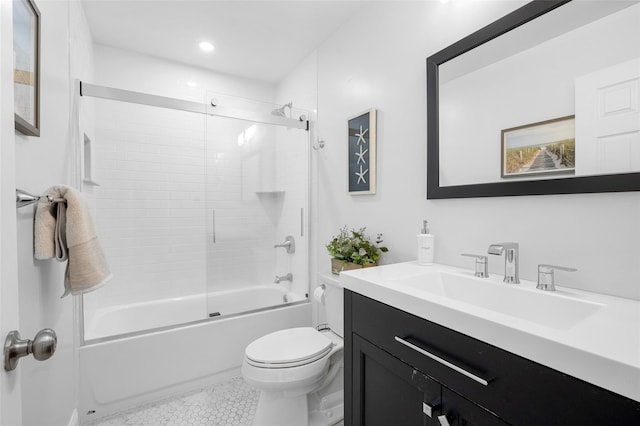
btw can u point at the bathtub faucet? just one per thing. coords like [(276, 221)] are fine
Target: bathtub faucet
[(288, 277)]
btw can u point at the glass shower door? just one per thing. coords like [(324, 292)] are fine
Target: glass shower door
[(190, 206), (148, 164), (256, 196)]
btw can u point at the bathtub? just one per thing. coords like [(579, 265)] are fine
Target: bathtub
[(132, 318), (120, 372)]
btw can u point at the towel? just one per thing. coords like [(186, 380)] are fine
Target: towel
[(65, 231)]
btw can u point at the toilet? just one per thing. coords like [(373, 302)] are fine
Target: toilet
[(299, 371)]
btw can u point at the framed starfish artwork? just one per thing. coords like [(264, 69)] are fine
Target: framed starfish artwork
[(362, 153)]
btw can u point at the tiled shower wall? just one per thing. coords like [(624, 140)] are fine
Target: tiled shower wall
[(150, 165)]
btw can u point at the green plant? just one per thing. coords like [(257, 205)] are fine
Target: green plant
[(355, 247)]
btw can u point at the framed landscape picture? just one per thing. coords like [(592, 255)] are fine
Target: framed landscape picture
[(26, 71), (545, 147), (362, 153)]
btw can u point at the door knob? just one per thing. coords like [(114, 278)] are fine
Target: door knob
[(42, 347)]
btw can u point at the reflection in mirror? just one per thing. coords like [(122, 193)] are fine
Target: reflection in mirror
[(500, 103)]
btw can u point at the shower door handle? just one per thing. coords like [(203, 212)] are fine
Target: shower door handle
[(213, 211)]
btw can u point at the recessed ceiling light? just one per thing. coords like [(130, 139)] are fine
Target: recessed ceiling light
[(191, 83), (206, 46)]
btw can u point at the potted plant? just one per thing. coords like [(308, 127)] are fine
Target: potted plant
[(352, 249)]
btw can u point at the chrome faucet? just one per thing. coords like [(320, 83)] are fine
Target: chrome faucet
[(288, 277), (511, 255)]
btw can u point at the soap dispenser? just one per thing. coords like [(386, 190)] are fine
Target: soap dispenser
[(426, 245)]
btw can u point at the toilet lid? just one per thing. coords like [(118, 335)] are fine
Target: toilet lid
[(290, 347)]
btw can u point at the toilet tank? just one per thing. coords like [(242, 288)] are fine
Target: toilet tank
[(333, 302)]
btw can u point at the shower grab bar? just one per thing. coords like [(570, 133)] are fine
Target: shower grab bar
[(103, 92), (23, 199)]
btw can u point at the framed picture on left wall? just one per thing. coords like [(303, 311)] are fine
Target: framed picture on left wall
[(362, 153), (26, 67)]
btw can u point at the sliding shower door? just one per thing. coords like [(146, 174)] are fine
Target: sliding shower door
[(257, 196), (144, 174), (188, 207)]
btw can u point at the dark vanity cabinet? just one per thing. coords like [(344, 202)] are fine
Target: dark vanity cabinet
[(402, 370)]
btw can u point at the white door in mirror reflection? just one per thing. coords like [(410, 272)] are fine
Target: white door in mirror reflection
[(608, 120)]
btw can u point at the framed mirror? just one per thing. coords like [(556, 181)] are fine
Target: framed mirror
[(541, 101)]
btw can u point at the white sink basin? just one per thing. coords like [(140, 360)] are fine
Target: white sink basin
[(551, 309)]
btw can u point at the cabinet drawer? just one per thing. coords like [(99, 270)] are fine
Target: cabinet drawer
[(520, 391)]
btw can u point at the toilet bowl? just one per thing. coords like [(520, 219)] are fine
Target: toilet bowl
[(299, 372), (290, 367)]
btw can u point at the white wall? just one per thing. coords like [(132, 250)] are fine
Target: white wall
[(141, 73), (48, 388), (378, 60)]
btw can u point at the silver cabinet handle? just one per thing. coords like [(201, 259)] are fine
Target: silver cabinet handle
[(42, 347), (444, 362), (443, 420)]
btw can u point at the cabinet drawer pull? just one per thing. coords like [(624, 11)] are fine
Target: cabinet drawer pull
[(443, 361)]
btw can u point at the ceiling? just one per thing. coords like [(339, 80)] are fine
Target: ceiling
[(259, 39)]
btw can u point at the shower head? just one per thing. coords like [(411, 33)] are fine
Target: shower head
[(280, 112)]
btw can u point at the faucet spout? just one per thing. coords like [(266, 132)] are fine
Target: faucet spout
[(511, 260), (288, 277)]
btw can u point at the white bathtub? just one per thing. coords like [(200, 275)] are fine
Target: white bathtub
[(119, 373), (131, 318)]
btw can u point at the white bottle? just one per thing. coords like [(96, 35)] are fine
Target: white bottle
[(426, 245)]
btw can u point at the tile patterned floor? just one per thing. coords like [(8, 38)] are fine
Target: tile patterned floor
[(231, 403)]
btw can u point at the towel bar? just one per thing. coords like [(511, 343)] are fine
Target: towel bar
[(23, 198)]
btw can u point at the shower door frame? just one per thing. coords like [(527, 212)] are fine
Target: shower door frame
[(104, 92), (140, 98)]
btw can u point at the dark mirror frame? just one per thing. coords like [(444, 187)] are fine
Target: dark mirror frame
[(586, 184)]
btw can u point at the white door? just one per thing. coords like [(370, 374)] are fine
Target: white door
[(10, 391), (608, 120)]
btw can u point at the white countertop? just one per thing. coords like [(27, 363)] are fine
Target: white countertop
[(603, 348)]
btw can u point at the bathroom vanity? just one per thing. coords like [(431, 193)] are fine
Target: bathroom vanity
[(437, 346)]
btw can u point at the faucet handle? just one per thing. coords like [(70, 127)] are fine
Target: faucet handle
[(546, 276), (289, 244), (482, 264)]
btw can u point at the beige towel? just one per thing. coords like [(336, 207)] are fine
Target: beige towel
[(65, 231)]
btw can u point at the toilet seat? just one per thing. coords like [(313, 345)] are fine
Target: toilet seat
[(292, 347)]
